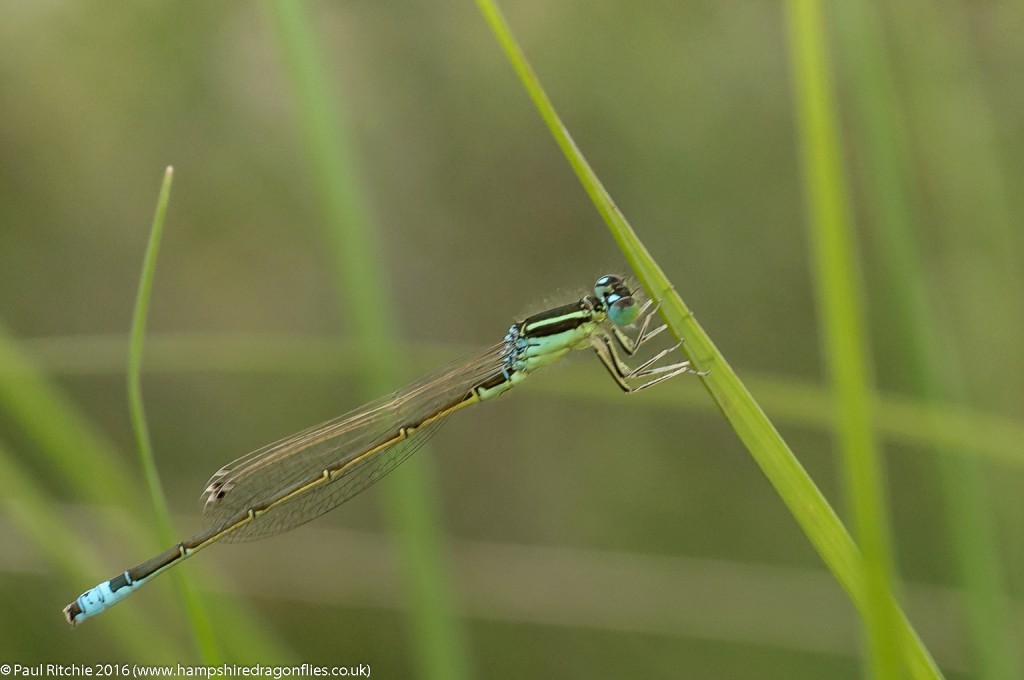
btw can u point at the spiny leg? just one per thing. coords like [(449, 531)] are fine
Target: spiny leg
[(624, 369), (665, 373), (621, 373), (645, 368), (602, 338), (604, 353)]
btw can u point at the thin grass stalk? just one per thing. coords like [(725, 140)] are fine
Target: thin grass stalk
[(199, 620), (80, 455), (797, 490)]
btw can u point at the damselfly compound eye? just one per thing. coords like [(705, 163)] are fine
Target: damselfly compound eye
[(606, 284), (623, 311)]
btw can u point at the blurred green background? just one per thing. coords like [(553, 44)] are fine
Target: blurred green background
[(583, 534)]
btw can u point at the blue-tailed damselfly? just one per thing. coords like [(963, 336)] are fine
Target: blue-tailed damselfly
[(285, 484)]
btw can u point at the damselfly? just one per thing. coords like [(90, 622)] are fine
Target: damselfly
[(283, 485)]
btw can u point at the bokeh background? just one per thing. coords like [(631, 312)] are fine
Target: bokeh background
[(580, 533)]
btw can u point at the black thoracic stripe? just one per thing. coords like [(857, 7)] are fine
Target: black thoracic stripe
[(555, 321)]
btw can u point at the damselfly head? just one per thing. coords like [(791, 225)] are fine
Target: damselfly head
[(618, 300)]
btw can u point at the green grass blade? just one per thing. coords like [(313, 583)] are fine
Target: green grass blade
[(809, 507), (838, 286), (199, 620), (79, 454), (440, 648), (887, 179)]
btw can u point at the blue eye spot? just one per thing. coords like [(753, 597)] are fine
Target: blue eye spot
[(623, 311)]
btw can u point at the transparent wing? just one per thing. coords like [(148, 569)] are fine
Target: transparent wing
[(273, 471), (322, 499)]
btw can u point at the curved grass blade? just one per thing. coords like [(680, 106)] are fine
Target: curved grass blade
[(82, 457), (199, 620), (797, 490)]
